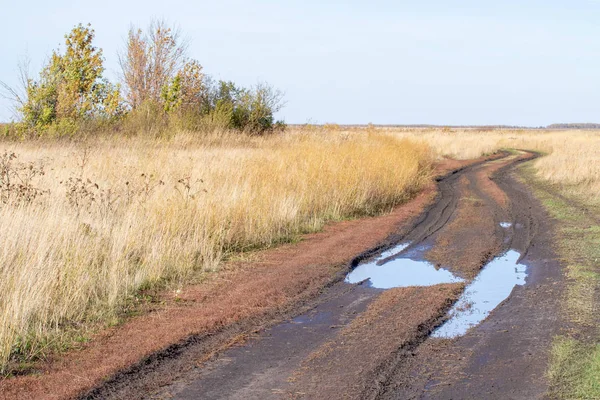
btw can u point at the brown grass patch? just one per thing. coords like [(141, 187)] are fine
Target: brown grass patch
[(87, 225), (278, 278)]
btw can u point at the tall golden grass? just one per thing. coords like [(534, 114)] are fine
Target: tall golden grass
[(572, 157), (118, 215)]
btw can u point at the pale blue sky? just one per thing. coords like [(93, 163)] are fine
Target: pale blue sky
[(528, 62)]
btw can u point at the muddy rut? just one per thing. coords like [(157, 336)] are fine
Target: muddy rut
[(375, 336)]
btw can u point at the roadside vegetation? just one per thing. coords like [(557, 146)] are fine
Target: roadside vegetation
[(575, 355), (160, 90)]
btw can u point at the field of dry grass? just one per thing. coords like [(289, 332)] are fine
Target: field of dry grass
[(87, 225), (572, 157)]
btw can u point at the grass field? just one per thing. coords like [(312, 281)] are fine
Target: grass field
[(575, 355), (572, 157), (89, 224)]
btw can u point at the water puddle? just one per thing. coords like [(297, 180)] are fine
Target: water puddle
[(505, 225), (390, 270), (491, 287), (402, 267)]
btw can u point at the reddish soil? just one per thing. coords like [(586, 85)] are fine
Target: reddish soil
[(474, 222), (480, 209), (485, 177), (243, 298)]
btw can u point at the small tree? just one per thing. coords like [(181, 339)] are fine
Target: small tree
[(151, 61), (264, 102), (79, 71), (71, 86), (187, 91), (251, 110), (134, 67)]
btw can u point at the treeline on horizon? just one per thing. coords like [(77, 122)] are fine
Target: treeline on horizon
[(160, 90), (448, 127), (587, 125)]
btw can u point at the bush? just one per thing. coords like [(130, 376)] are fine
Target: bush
[(70, 88), (166, 92), (248, 110), (220, 106), (147, 119)]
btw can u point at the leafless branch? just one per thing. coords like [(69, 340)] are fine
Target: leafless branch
[(17, 95)]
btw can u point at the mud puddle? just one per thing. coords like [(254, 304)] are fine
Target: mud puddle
[(490, 288), (399, 268)]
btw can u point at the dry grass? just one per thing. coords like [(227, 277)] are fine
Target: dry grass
[(572, 157), (112, 216), (117, 216)]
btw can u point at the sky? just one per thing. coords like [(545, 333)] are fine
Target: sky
[(461, 62)]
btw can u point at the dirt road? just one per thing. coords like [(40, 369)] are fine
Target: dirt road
[(398, 326)]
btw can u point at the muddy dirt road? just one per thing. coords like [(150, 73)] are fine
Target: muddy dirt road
[(457, 304)]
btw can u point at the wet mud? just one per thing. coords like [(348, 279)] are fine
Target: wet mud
[(505, 355)]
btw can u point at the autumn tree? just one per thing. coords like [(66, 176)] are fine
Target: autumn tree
[(150, 62), (187, 91), (71, 85)]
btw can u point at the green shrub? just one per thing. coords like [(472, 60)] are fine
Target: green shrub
[(70, 88), (71, 98)]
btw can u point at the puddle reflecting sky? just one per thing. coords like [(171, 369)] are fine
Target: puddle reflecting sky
[(492, 286), (399, 268), (388, 272)]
